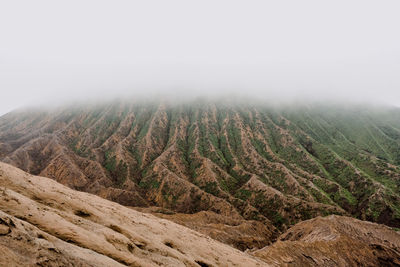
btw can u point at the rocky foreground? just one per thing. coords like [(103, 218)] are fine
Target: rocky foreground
[(43, 223)]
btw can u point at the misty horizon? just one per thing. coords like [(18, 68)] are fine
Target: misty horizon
[(56, 53)]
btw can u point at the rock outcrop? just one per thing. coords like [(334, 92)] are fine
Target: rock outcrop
[(334, 241)]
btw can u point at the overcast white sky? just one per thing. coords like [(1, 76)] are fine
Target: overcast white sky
[(63, 50)]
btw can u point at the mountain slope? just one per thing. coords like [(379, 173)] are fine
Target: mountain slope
[(45, 223), (247, 161)]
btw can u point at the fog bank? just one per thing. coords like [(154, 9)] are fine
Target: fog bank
[(53, 52)]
